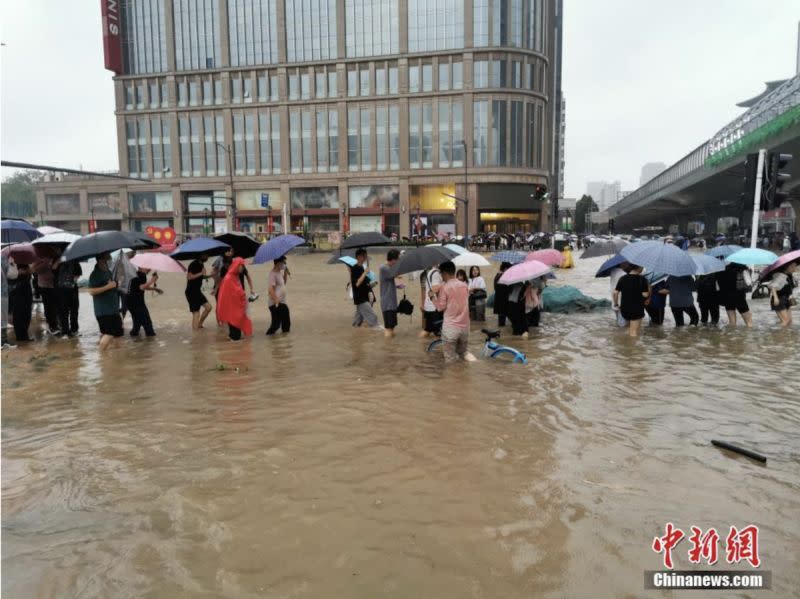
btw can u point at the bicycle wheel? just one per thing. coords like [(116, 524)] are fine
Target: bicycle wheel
[(512, 354), (433, 344)]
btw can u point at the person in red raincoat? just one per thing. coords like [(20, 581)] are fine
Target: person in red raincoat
[(232, 303)]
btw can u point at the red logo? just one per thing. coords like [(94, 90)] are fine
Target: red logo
[(740, 545)]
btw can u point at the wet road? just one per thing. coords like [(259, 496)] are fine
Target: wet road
[(334, 463)]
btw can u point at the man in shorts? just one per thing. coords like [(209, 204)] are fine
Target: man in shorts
[(198, 304), (430, 281), (103, 289), (361, 288)]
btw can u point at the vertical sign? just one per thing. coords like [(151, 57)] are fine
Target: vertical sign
[(112, 35)]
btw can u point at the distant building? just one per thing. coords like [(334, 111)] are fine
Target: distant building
[(603, 193), (651, 170)]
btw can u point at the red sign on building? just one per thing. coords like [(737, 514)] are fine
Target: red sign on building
[(112, 35)]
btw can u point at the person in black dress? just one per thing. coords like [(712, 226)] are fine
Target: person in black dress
[(629, 296), (733, 288), (198, 304), (21, 299), (501, 295)]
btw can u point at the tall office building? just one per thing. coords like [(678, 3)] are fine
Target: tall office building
[(650, 170), (323, 115), (603, 193)]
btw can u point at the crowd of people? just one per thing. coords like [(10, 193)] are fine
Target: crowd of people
[(450, 299)]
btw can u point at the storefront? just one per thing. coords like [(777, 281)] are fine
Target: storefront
[(509, 208), (314, 210), (150, 209), (374, 208), (259, 212), (432, 210), (204, 213)]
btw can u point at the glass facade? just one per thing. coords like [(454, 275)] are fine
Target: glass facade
[(252, 32), (310, 30), (373, 27), (144, 40), (196, 34), (435, 25), (515, 23)]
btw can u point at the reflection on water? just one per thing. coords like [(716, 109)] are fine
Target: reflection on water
[(333, 462)]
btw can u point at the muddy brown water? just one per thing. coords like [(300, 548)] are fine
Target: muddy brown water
[(334, 463)]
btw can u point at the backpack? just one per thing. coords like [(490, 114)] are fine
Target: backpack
[(743, 280)]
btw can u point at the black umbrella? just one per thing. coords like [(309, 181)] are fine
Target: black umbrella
[(364, 239), (334, 259), (422, 258), (103, 242), (244, 246), (604, 248)]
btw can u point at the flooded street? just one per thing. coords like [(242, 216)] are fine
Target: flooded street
[(335, 463)]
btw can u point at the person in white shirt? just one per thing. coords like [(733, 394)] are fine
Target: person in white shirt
[(477, 295), (430, 281)]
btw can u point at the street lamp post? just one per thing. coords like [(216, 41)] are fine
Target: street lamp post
[(383, 224), (227, 150), (466, 193)]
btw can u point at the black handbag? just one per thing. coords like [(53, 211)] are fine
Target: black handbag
[(405, 306)]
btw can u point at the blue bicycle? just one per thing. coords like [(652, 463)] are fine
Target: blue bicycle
[(491, 349)]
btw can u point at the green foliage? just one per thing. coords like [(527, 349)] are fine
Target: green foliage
[(19, 194), (585, 205)]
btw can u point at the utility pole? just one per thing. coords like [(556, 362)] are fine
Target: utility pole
[(762, 153)]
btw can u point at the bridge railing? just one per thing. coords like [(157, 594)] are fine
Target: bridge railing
[(693, 161)]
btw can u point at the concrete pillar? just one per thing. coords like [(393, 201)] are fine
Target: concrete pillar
[(224, 38), (169, 32), (344, 202), (177, 209), (405, 210)]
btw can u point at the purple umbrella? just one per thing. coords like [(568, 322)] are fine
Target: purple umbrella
[(277, 247), (782, 261), (525, 271)]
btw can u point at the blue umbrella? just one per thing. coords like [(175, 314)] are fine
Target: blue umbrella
[(655, 277), (609, 265), (658, 256), (510, 257), (350, 261), (723, 251), (199, 246), (707, 265), (752, 257), (18, 231), (277, 247)]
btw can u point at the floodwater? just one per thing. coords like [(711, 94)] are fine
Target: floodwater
[(335, 463)]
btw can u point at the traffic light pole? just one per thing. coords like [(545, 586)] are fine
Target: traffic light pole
[(762, 153)]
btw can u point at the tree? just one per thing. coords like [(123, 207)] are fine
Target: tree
[(19, 194), (582, 208)]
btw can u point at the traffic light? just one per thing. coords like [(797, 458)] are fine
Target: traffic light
[(776, 179), (540, 193), (750, 175)]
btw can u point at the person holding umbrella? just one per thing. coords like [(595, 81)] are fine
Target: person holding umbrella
[(501, 296), (43, 269), (781, 287), (278, 309), (733, 288), (194, 291), (681, 299), (136, 304), (21, 299), (389, 293), (220, 268), (632, 289), (232, 303), (67, 275), (452, 300), (361, 289), (103, 289)]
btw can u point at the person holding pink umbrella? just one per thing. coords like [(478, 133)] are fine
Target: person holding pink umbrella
[(781, 287)]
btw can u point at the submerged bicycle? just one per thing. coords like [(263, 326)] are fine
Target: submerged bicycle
[(491, 349)]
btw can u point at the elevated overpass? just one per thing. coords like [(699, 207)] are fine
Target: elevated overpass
[(706, 184)]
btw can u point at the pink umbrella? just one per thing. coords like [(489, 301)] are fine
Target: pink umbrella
[(524, 271), (27, 253), (549, 257), (783, 260), (157, 261)]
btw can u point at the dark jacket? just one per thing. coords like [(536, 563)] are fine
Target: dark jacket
[(500, 296)]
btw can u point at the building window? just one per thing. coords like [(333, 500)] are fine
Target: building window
[(333, 140), (320, 84), (516, 23), (458, 75), (275, 133), (248, 87), (208, 91), (381, 137), (196, 34), (380, 81), (498, 73), (445, 143), (310, 30), (295, 142), (305, 86), (427, 135), (393, 85), (194, 121), (305, 122), (144, 45), (498, 142), (366, 139), (458, 133), (183, 139), (166, 147), (394, 137), (444, 76), (364, 80), (480, 23), (153, 88), (140, 95), (236, 89), (332, 89), (194, 93), (250, 143), (136, 141), (218, 99), (427, 77), (480, 134), (322, 140), (156, 150), (352, 82), (238, 144), (352, 139), (262, 87), (515, 132), (516, 74), (435, 25), (372, 27), (480, 77), (129, 96), (252, 29), (164, 94), (209, 140), (223, 158), (414, 138), (265, 151), (294, 86), (413, 79)]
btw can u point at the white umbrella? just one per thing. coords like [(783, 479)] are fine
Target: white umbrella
[(63, 238), (47, 230), (470, 259)]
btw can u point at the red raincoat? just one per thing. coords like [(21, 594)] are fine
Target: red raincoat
[(232, 300)]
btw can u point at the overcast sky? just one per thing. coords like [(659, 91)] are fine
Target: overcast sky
[(644, 80)]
